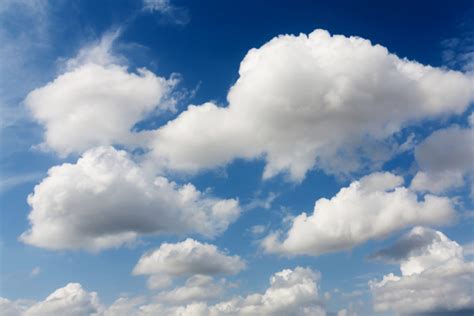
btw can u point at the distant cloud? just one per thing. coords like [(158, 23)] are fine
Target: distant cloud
[(445, 159), (169, 13), (36, 271), (9, 181), (291, 292), (435, 277), (371, 208), (186, 258)]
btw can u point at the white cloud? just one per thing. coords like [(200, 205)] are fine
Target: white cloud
[(291, 292), (434, 277), (197, 288), (13, 308), (445, 159), (71, 300), (169, 13), (311, 101), (186, 258), (105, 199), (371, 208), (97, 101)]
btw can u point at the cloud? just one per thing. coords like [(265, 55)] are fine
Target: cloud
[(445, 159), (71, 300), (186, 258), (13, 308), (197, 288), (435, 278), (169, 13), (371, 208), (105, 199), (97, 101), (291, 292), (312, 101)]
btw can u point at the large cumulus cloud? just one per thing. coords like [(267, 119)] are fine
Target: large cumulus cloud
[(311, 101), (435, 277), (370, 208), (105, 199)]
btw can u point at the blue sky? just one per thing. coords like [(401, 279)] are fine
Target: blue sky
[(326, 147)]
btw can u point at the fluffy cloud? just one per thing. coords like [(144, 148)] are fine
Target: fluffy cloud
[(105, 199), (291, 292), (71, 300), (186, 258), (445, 159), (96, 101), (373, 207), (311, 101), (435, 278), (197, 288)]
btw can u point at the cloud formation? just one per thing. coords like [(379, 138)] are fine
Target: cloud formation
[(97, 101), (291, 292), (311, 101), (105, 200), (435, 278), (186, 258), (445, 159), (371, 208), (71, 300)]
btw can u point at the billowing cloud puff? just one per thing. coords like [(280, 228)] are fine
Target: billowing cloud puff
[(105, 199), (291, 292), (311, 101), (186, 258), (197, 288), (96, 102), (435, 278), (71, 300), (445, 159), (371, 208)]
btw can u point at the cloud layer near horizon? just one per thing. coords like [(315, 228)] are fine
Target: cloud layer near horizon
[(435, 277)]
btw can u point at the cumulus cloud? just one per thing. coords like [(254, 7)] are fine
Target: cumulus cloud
[(186, 258), (71, 300), (311, 101), (197, 288), (105, 199), (97, 101), (370, 208), (445, 159), (435, 278), (291, 292)]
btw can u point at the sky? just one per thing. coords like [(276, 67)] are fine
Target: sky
[(165, 157)]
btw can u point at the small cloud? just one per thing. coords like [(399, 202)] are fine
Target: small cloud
[(35, 272), (169, 13)]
